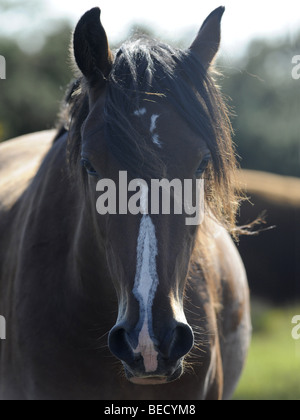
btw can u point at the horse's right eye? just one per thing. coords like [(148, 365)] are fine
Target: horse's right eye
[(89, 167), (203, 166)]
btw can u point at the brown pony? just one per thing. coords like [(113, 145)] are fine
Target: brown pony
[(170, 299)]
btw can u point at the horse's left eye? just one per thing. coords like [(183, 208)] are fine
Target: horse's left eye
[(203, 166), (89, 167)]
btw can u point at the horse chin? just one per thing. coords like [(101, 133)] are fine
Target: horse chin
[(149, 381), (153, 380)]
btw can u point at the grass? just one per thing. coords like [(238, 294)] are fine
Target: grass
[(273, 367)]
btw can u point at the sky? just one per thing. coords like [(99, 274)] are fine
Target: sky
[(170, 19), (242, 21)]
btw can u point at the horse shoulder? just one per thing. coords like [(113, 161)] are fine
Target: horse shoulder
[(234, 318), (235, 291), (20, 159)]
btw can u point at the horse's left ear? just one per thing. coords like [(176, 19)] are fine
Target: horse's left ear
[(91, 49), (207, 43)]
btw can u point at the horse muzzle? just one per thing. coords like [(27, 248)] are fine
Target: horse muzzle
[(147, 360)]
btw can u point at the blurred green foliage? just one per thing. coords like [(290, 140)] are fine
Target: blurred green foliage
[(35, 84), (272, 369), (266, 100), (263, 95)]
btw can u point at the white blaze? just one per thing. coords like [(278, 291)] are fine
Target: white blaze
[(154, 119), (153, 125), (145, 286), (140, 112)]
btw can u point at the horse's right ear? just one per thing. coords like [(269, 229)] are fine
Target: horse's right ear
[(91, 49)]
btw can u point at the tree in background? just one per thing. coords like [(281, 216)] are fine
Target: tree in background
[(38, 67), (266, 101), (35, 84)]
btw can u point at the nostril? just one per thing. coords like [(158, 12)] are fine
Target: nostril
[(183, 341), (118, 342), (178, 342)]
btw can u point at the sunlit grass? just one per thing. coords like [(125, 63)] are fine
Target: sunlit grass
[(273, 366)]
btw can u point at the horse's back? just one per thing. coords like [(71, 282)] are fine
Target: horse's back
[(272, 258), (283, 190), (20, 159)]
